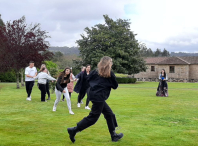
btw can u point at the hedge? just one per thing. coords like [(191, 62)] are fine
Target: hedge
[(9, 76), (126, 80)]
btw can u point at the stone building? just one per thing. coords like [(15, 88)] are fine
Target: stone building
[(178, 69)]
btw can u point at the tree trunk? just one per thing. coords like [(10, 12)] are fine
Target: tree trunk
[(17, 76), (22, 83)]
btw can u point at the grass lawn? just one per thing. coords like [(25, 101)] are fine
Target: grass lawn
[(145, 120)]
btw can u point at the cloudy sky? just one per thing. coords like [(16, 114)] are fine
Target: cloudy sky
[(170, 24)]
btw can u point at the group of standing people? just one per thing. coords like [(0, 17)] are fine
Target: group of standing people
[(64, 84)]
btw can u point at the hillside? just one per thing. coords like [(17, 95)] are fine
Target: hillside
[(183, 54), (65, 50)]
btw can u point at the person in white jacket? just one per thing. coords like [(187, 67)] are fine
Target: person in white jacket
[(42, 80)]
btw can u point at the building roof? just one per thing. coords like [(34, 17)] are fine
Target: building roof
[(154, 60), (172, 60), (191, 59)]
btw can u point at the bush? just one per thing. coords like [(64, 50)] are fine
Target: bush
[(125, 80), (132, 80), (9, 76)]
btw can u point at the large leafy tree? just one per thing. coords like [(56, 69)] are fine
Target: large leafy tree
[(20, 43), (114, 39)]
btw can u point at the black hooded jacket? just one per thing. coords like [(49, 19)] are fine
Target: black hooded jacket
[(82, 85), (100, 87)]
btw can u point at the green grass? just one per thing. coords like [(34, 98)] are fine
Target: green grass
[(145, 120)]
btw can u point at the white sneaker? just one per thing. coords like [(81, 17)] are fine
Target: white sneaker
[(54, 109), (81, 102), (28, 98), (78, 105), (86, 107), (72, 113)]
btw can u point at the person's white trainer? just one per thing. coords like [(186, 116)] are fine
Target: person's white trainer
[(28, 98), (72, 113), (86, 107), (54, 109), (78, 105), (81, 102)]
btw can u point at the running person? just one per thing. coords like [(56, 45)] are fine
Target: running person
[(101, 81)]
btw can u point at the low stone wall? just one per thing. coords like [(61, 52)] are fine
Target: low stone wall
[(169, 80)]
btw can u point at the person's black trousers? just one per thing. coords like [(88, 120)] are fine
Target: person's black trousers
[(42, 87), (47, 89), (81, 95), (29, 85), (96, 110)]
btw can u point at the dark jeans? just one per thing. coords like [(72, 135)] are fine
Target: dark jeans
[(42, 87), (47, 89), (81, 95), (29, 85), (96, 110)]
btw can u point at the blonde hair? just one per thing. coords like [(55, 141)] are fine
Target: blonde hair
[(42, 66), (104, 67)]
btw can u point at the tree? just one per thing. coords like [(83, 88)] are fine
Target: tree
[(143, 50), (114, 39), (158, 53), (20, 43), (150, 53), (53, 69), (57, 56), (165, 53)]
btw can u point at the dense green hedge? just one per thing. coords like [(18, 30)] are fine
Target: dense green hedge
[(8, 77), (126, 80)]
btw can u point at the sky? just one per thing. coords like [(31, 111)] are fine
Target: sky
[(169, 24)]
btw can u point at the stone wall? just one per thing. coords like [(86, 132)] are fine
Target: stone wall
[(148, 73), (193, 74), (181, 71), (181, 74)]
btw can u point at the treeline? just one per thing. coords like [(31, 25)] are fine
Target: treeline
[(145, 52)]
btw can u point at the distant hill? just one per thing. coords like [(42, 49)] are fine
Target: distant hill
[(183, 54), (65, 50)]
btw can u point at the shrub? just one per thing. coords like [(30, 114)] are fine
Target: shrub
[(125, 80), (9, 76)]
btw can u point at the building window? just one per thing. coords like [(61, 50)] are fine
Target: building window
[(172, 69), (152, 68)]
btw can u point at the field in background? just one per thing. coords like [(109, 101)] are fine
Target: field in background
[(143, 118)]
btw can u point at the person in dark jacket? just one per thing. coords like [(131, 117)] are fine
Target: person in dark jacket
[(82, 86), (101, 81), (61, 87), (82, 69)]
